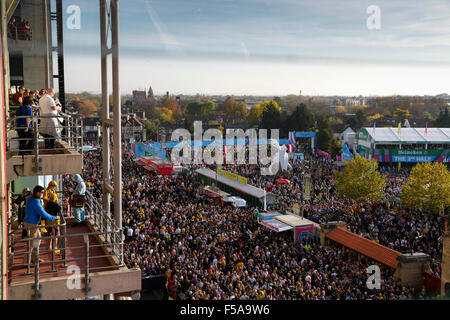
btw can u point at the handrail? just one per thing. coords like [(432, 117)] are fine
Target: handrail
[(106, 226), (63, 127), (17, 33)]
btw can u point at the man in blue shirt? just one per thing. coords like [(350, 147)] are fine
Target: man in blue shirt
[(34, 212), (24, 127)]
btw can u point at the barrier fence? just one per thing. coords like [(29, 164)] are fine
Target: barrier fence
[(112, 235)]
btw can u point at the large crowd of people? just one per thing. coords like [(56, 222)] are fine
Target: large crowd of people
[(209, 251)]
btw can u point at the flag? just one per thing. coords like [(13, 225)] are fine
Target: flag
[(291, 149), (292, 140), (373, 131), (426, 127), (399, 128)]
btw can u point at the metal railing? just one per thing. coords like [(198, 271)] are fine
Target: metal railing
[(62, 127), (20, 33), (112, 239)]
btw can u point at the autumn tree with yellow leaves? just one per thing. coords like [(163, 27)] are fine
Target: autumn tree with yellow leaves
[(360, 180), (428, 187)]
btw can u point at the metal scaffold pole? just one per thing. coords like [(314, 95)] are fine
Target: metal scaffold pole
[(112, 182)]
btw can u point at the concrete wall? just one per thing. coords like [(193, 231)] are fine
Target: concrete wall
[(410, 269), (326, 228), (35, 52)]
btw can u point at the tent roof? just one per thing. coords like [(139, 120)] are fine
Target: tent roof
[(369, 248), (275, 225), (293, 220), (245, 188), (409, 135)]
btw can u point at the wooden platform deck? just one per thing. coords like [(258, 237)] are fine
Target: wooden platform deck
[(76, 250)]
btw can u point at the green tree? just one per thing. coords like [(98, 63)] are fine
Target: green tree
[(173, 106), (335, 147), (302, 119), (427, 115), (443, 120), (150, 93), (360, 180), (256, 111), (402, 114), (271, 116), (152, 128), (200, 108), (254, 115), (428, 187), (232, 107), (85, 107), (325, 133), (360, 118)]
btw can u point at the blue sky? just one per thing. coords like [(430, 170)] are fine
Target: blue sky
[(268, 47)]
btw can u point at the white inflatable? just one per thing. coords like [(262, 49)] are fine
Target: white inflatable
[(283, 160)]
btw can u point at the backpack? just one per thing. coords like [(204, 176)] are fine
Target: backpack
[(77, 201)]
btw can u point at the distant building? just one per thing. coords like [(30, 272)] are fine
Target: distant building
[(92, 128), (139, 95), (132, 128)]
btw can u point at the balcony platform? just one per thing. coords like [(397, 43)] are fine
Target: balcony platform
[(107, 277), (52, 162)]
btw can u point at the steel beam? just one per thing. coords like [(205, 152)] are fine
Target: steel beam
[(110, 19), (117, 114)]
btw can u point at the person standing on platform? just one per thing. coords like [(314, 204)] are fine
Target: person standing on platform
[(34, 213), (80, 190)]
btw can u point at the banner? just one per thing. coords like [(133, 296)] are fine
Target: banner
[(410, 155), (232, 176), (146, 150), (299, 157), (307, 187), (322, 153), (292, 141), (304, 233)]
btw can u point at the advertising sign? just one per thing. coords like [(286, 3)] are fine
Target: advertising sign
[(299, 157), (410, 155), (232, 176), (304, 233), (307, 187)]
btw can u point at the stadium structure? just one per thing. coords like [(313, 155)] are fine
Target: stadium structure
[(91, 254)]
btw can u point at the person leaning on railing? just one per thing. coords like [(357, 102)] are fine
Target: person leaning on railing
[(34, 213), (78, 199), (24, 127), (49, 127)]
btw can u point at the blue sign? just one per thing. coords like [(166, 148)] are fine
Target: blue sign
[(145, 150), (299, 157), (346, 154)]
